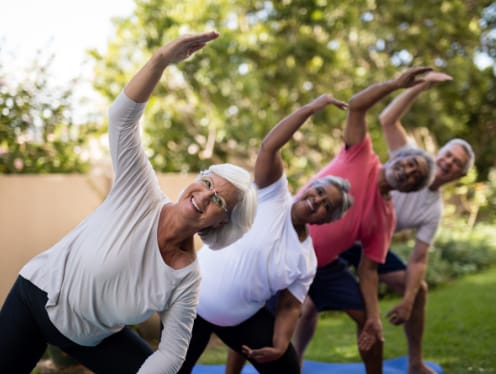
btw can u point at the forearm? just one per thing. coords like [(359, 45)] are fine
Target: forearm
[(365, 99), (283, 131), (287, 313), (415, 274), (284, 327), (141, 86), (401, 104), (369, 281)]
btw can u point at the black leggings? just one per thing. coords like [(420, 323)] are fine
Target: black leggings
[(26, 330), (255, 332)]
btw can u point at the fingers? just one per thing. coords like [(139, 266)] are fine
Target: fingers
[(340, 104), (436, 77), (366, 341), (325, 99), (420, 70), (203, 37), (261, 355), (246, 350), (396, 317)]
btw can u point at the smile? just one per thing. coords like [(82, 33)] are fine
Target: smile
[(310, 205), (195, 205)]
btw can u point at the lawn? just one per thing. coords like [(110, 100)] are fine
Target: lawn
[(460, 333)]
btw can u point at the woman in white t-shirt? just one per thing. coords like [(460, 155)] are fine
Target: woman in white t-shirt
[(275, 257), (131, 257)]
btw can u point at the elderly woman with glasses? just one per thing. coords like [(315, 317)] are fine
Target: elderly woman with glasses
[(275, 257), (133, 256)]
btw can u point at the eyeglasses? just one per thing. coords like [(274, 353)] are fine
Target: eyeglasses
[(216, 199)]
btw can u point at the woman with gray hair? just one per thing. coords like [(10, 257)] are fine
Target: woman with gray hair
[(133, 256), (275, 257)]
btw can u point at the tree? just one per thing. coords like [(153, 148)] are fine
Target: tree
[(37, 133), (275, 55)]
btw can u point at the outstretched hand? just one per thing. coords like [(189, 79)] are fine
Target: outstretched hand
[(400, 313), (436, 77), (370, 334), (411, 77), (265, 354), (184, 46), (327, 99)]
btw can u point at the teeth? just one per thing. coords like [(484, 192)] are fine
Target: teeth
[(195, 205), (310, 205)]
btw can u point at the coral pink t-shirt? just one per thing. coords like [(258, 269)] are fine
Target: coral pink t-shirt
[(370, 220)]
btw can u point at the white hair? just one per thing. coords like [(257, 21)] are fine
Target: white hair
[(466, 147), (343, 185), (243, 213)]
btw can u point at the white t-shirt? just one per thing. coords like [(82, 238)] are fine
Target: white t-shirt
[(239, 279), (108, 271), (419, 210)]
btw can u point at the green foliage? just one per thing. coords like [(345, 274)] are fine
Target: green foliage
[(37, 133), (456, 252), (275, 55)]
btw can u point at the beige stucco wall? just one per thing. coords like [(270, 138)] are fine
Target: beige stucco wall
[(37, 210)]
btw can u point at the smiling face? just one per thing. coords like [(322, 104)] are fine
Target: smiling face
[(405, 174), (450, 163), (317, 204), (209, 200)]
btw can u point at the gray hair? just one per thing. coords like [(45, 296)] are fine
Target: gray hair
[(466, 147), (243, 213), (343, 185), (412, 152)]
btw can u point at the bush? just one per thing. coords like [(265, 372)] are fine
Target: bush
[(456, 252)]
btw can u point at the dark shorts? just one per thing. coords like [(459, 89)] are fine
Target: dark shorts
[(393, 261), (335, 287)]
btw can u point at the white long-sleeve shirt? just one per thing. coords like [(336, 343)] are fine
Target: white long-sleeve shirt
[(108, 271)]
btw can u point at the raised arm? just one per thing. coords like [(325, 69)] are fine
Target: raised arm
[(269, 166), (360, 103), (390, 118), (142, 84)]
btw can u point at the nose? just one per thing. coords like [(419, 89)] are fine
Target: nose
[(410, 169), (319, 199), (448, 161), (206, 195)]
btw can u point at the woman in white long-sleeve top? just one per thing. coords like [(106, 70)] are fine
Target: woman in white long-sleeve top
[(133, 256)]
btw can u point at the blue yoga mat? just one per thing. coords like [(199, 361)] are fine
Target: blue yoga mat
[(393, 366)]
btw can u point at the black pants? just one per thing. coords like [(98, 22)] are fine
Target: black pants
[(256, 332), (25, 330)]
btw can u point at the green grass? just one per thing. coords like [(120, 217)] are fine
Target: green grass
[(460, 332)]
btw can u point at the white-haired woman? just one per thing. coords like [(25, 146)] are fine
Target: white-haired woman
[(133, 256), (275, 257)]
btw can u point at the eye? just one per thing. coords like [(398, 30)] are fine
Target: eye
[(328, 206), (206, 182), (219, 201), (320, 191)]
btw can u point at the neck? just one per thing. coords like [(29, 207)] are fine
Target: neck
[(300, 227), (382, 184), (435, 185), (171, 233)]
